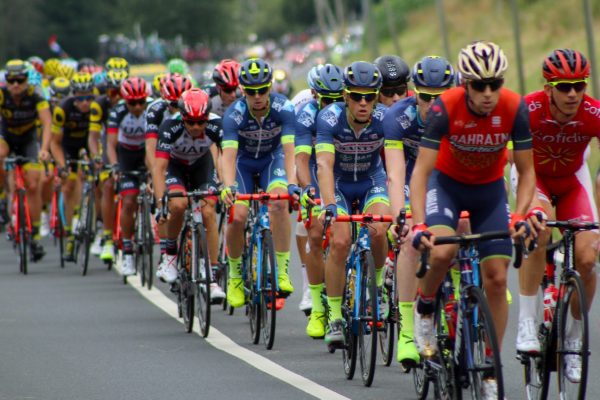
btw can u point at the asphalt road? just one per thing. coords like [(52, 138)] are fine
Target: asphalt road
[(64, 336)]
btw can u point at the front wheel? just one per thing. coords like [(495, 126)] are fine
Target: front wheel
[(350, 338), (22, 234), (369, 319), (268, 290), (88, 231), (202, 271), (186, 294), (572, 339)]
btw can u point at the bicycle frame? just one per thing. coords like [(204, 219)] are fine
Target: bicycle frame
[(19, 188)]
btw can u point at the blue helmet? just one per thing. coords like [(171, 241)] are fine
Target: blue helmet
[(327, 79), (255, 72), (362, 74), (433, 72)]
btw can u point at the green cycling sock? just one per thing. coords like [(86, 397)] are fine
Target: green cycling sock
[(234, 267), (379, 276), (283, 259), (315, 294), (406, 317), (335, 308)]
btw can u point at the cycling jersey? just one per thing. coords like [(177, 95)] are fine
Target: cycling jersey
[(254, 139), (177, 145), (306, 137), (99, 111), (301, 99), (19, 119), (356, 158), (157, 112), (403, 129), (558, 149), (472, 148), (217, 105), (131, 130), (71, 122)]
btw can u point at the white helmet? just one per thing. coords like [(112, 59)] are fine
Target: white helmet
[(482, 60)]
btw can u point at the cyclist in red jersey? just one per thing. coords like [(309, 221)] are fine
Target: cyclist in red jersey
[(563, 119), (460, 166)]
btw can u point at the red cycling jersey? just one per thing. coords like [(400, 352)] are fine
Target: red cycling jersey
[(558, 149), (472, 148)]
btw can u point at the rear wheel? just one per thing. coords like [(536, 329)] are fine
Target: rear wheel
[(88, 232), (369, 319), (202, 272), (350, 338), (268, 291), (387, 335), (148, 247), (23, 236), (572, 338)]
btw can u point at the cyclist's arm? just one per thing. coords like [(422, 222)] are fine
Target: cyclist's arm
[(418, 183), (396, 172), (58, 122), (303, 143), (302, 169), (230, 149), (112, 137), (46, 121), (95, 129), (287, 140), (159, 173), (290, 166), (152, 129), (214, 151), (523, 159), (325, 161)]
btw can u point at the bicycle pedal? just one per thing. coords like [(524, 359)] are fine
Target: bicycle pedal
[(283, 295)]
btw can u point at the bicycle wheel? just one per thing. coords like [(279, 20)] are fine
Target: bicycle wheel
[(369, 321), (483, 343), (350, 337), (148, 247), (59, 229), (223, 270), (140, 243), (537, 367), (252, 306), (185, 283), (572, 337), (88, 232), (387, 334), (22, 234), (268, 291), (202, 271)]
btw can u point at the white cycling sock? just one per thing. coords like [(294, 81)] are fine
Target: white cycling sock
[(574, 330), (527, 307)]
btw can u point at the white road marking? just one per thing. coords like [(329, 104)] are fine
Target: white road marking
[(222, 342)]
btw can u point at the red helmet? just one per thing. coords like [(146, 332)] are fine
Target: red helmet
[(194, 104), (226, 73), (173, 85), (565, 64), (134, 88)]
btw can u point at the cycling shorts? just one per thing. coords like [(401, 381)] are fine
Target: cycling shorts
[(130, 160), (71, 152), (270, 170), (368, 192), (25, 145), (181, 178), (487, 205)]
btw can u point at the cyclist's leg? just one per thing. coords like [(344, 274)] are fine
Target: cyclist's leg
[(108, 214), (33, 176), (4, 151), (274, 178), (168, 268)]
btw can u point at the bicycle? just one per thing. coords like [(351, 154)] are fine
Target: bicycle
[(144, 235), (85, 229), (57, 218), (193, 262), (222, 272), (19, 229), (259, 268), (552, 330), (468, 351), (360, 305)]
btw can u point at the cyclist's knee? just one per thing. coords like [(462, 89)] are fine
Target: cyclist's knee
[(209, 213), (129, 202), (278, 207), (32, 182), (441, 256), (340, 244), (177, 206), (239, 217)]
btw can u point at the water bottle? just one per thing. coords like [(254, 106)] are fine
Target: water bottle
[(450, 314), (550, 296)]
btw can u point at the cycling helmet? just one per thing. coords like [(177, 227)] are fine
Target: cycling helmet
[(134, 88), (16, 67), (114, 78), (394, 71), (82, 82), (86, 65), (173, 86), (313, 76), (565, 64), (362, 74), (65, 71), (255, 72), (177, 66), (60, 87), (33, 77), (225, 73), (37, 63), (433, 72), (117, 63), (194, 104), (328, 80), (157, 82), (50, 67), (482, 60)]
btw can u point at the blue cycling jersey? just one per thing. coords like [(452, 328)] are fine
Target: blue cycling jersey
[(306, 129), (356, 157), (403, 128), (258, 139)]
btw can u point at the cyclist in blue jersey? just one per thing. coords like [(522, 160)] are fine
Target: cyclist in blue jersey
[(403, 126), (327, 87), (258, 139), (349, 141)]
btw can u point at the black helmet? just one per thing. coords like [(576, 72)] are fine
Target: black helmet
[(394, 70)]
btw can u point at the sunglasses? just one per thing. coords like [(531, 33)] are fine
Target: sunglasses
[(494, 84), (192, 122), (229, 90), (19, 81), (391, 91), (567, 86), (257, 90), (329, 99), (84, 98), (134, 103), (358, 96)]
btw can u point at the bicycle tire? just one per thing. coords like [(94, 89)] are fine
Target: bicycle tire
[(202, 269), (537, 367), (480, 329), (252, 305), (140, 234), (223, 272), (185, 284), (60, 229), (388, 334), (368, 324), (268, 291), (23, 239), (89, 231), (149, 246), (572, 289), (350, 339)]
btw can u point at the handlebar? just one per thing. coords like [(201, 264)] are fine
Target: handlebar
[(263, 196), (573, 225)]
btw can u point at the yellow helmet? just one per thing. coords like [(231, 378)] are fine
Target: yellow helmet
[(60, 87), (82, 82), (116, 63), (65, 71), (157, 83), (115, 77), (50, 67)]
